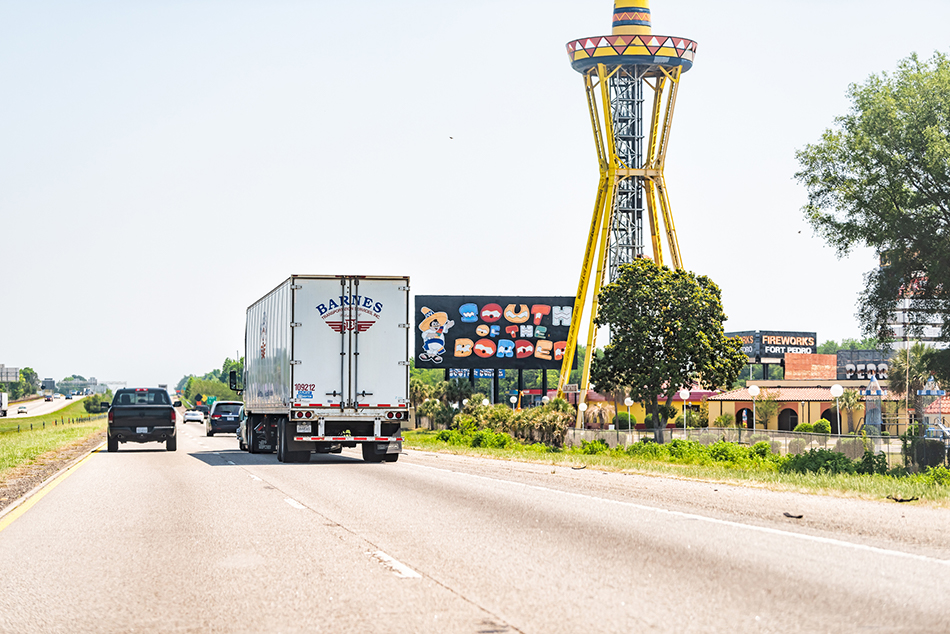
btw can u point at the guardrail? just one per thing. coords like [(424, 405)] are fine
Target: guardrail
[(54, 423)]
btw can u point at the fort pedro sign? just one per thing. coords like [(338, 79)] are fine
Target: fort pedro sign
[(771, 346)]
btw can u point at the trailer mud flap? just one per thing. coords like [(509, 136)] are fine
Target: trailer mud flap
[(394, 446)]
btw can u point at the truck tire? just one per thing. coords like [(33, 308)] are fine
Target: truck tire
[(369, 453), (171, 443), (112, 444)]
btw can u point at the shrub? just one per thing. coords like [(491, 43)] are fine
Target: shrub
[(930, 453), (762, 449), (453, 437), (819, 461), (796, 446), (872, 463), (647, 450), (806, 428), (938, 476), (623, 422), (822, 426), (725, 420), (648, 421), (498, 418), (594, 447), (482, 438), (465, 423), (686, 450), (725, 452), (851, 447)]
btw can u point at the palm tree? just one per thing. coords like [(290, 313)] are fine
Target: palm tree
[(849, 401), (908, 373), (419, 392)]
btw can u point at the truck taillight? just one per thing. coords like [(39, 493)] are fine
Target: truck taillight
[(173, 417), (395, 415), (110, 417)]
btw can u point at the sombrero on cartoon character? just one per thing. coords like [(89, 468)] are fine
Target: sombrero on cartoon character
[(433, 327)]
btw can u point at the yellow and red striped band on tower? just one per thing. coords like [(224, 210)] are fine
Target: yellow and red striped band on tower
[(632, 17)]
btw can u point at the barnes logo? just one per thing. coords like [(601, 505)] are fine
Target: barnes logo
[(348, 313)]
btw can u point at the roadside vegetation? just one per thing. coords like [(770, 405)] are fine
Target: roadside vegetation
[(50, 433), (214, 383), (814, 471)]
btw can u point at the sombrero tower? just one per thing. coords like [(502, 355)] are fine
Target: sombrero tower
[(620, 71)]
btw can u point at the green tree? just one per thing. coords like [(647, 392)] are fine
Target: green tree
[(881, 179), (29, 377), (209, 387), (766, 406), (419, 392), (666, 333), (230, 365), (832, 347)]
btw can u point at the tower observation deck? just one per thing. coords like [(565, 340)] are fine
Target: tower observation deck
[(621, 72)]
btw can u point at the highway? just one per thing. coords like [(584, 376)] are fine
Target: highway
[(39, 407), (209, 539)]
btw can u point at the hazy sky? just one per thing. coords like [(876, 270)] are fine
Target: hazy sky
[(165, 163)]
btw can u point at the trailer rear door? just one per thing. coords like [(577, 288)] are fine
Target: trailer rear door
[(351, 346)]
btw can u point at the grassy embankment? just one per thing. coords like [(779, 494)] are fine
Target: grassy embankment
[(70, 425), (763, 473)]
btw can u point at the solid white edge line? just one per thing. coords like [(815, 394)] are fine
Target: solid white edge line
[(294, 503), (398, 568), (712, 520)]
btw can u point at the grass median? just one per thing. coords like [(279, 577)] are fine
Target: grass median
[(51, 433), (763, 473)]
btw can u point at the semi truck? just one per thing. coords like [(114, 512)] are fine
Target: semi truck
[(4, 403), (326, 366)]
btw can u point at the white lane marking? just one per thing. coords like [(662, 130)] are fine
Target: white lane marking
[(712, 520), (294, 503), (254, 477), (398, 568)]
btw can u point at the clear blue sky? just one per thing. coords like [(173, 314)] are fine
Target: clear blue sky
[(164, 164)]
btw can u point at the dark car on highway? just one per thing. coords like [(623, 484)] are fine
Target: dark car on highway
[(225, 416), (142, 414)]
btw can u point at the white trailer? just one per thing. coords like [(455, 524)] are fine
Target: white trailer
[(326, 366), (4, 403)]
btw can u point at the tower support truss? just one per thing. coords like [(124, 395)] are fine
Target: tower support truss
[(631, 151)]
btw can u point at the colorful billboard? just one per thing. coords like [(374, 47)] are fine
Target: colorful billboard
[(490, 332)]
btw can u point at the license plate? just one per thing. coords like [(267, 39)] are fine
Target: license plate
[(303, 429), (141, 430)]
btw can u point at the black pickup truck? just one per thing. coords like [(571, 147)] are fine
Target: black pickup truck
[(143, 414)]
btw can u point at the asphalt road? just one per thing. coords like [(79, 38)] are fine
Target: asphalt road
[(39, 407), (209, 539)]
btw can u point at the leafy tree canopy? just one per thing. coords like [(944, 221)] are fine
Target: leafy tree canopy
[(832, 347), (881, 179), (665, 334)]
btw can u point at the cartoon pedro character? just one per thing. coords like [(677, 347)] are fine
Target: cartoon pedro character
[(433, 327)]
